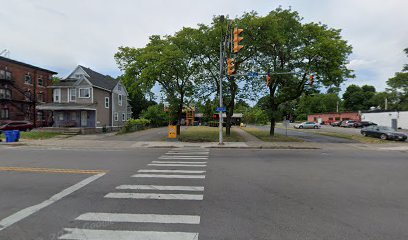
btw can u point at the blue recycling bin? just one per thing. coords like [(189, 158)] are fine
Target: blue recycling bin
[(16, 134), (9, 136)]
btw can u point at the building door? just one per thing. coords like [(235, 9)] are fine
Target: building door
[(394, 124), (84, 118)]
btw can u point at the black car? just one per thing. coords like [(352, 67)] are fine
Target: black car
[(385, 133), (336, 124), (364, 124)]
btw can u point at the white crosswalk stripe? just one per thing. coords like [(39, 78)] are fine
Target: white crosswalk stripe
[(157, 196), (175, 165), (161, 188), (182, 162), (185, 158), (88, 234), (169, 171), (167, 176), (139, 218)]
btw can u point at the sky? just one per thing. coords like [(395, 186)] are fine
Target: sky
[(61, 34)]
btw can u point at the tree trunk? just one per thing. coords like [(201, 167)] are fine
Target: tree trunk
[(274, 108), (272, 130), (180, 114)]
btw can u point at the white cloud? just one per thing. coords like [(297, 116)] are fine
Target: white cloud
[(62, 34)]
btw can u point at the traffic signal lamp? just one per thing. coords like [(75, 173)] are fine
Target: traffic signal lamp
[(311, 80), (231, 66), (237, 39)]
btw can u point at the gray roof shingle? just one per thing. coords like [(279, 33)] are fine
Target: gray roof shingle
[(100, 80)]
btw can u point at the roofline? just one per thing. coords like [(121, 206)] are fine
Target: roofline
[(26, 65)]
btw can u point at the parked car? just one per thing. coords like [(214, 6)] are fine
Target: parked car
[(16, 125), (307, 125), (364, 124), (336, 124), (383, 132), (348, 123)]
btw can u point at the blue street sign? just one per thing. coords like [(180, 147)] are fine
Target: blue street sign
[(221, 109)]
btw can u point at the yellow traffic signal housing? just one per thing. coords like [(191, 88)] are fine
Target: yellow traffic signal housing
[(268, 79), (237, 39), (311, 80), (231, 66)]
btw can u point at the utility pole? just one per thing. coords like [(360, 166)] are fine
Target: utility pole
[(386, 104), (221, 76), (337, 107)]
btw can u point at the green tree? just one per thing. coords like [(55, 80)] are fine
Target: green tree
[(358, 98), (399, 86), (156, 114), (280, 42), (165, 61)]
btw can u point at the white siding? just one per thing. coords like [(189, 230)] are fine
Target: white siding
[(385, 118)]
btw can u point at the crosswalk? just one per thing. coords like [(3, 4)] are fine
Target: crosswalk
[(184, 166)]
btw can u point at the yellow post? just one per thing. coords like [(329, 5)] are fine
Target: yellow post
[(172, 131)]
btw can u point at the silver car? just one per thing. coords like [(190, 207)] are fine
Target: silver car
[(307, 125)]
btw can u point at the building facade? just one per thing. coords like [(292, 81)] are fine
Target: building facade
[(392, 119), (328, 118), (88, 99), (22, 88)]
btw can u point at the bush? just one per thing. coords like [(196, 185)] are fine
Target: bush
[(157, 116), (133, 125)]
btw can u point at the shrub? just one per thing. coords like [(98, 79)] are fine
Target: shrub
[(133, 125)]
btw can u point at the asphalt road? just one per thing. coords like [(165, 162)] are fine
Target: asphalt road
[(308, 136), (221, 194)]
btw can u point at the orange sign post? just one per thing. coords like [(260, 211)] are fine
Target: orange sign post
[(172, 131)]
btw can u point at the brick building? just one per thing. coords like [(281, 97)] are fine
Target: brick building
[(328, 118), (22, 87)]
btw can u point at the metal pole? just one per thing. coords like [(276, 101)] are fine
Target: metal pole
[(221, 103)]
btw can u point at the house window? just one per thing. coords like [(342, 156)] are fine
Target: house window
[(40, 81), (120, 99), (57, 95), (72, 94), (116, 116), (106, 102), (337, 118), (61, 117), (119, 87), (40, 97), (123, 117), (84, 93), (4, 113), (331, 119), (28, 79), (73, 116), (5, 94), (2, 74)]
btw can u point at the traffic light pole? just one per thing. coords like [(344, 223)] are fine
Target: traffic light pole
[(221, 103)]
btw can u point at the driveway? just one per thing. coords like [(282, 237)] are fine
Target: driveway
[(152, 134)]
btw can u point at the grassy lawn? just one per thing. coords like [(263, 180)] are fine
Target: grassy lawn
[(264, 136), (206, 134), (38, 135)]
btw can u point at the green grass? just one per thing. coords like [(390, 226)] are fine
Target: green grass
[(38, 135), (206, 134), (264, 136)]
